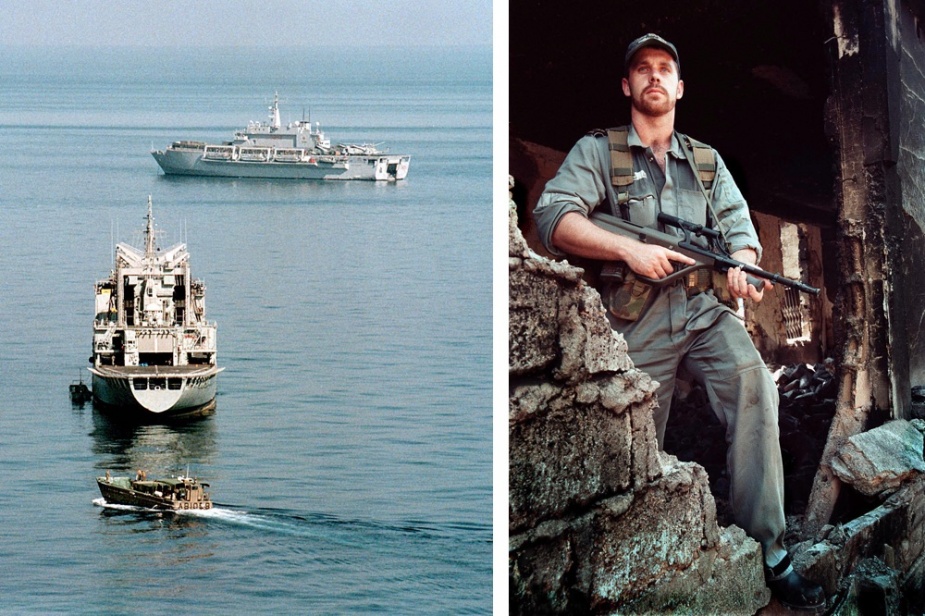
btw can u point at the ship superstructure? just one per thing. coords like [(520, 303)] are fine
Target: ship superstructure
[(153, 349)]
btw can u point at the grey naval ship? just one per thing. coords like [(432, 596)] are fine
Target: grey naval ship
[(154, 352), (297, 151)]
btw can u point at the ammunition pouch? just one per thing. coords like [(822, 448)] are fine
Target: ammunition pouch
[(698, 281), (623, 294), (721, 290)]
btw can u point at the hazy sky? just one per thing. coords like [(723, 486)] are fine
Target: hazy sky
[(245, 22)]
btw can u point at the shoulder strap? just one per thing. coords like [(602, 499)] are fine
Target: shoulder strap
[(621, 161), (621, 166), (704, 161)]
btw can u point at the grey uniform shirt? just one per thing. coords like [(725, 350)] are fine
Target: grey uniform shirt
[(583, 184)]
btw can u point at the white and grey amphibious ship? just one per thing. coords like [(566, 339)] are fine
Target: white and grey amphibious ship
[(154, 352), (268, 150)]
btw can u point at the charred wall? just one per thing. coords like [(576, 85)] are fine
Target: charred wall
[(910, 287)]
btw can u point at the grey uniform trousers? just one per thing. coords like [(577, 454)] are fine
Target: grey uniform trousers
[(709, 342)]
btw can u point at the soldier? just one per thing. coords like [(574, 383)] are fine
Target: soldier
[(636, 172)]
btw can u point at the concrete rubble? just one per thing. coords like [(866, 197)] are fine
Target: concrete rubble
[(880, 460)]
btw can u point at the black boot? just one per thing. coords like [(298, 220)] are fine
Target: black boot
[(791, 588)]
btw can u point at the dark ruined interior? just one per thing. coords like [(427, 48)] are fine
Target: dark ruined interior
[(756, 77)]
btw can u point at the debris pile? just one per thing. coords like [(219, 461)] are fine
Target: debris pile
[(877, 559), (807, 406)]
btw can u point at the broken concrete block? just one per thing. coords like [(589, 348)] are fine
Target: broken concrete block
[(569, 447), (894, 532), (654, 551), (879, 460), (600, 521)]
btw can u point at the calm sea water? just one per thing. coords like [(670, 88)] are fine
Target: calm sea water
[(350, 452)]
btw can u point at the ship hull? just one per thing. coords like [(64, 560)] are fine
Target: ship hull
[(380, 167), (121, 496), (156, 391)]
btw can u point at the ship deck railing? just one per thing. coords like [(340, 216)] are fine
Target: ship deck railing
[(159, 371)]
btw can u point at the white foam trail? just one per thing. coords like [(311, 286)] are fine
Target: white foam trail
[(218, 513), (101, 502)]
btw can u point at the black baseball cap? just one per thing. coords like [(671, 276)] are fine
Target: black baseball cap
[(650, 40)]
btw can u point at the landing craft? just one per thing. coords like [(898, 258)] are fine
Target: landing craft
[(173, 494)]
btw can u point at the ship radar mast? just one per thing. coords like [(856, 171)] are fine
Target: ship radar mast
[(149, 232), (274, 112)]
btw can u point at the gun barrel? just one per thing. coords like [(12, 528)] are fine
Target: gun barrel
[(787, 282)]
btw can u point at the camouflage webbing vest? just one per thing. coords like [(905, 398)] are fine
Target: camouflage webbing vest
[(622, 293), (621, 164)]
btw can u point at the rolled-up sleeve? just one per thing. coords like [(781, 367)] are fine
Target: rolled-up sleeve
[(732, 211), (578, 186)]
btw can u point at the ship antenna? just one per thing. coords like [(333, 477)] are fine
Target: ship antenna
[(274, 112), (149, 232)]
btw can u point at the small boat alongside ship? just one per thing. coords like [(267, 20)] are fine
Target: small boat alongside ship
[(173, 494), (297, 151), (80, 393), (154, 352)]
